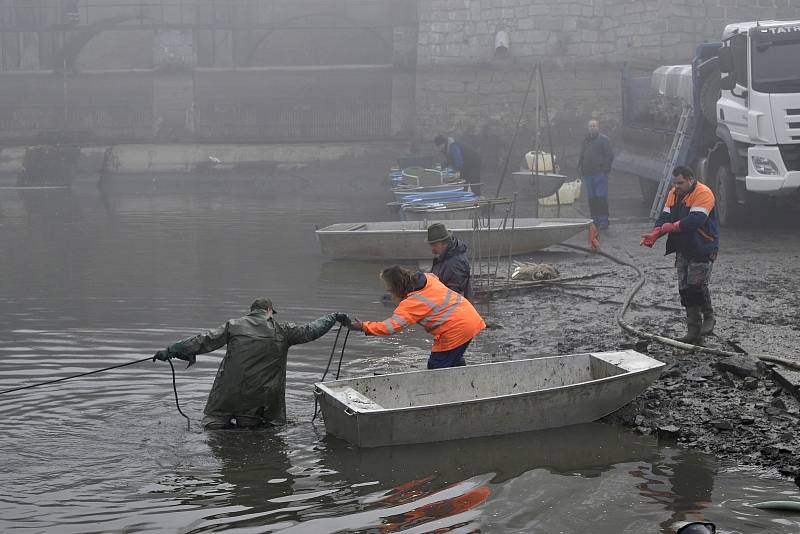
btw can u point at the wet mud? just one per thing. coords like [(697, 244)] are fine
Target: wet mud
[(739, 408)]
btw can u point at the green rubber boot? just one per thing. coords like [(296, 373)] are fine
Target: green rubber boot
[(709, 321), (694, 321)]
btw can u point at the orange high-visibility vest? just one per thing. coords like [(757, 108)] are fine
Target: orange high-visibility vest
[(445, 314)]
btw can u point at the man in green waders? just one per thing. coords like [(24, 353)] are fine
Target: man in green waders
[(249, 390)]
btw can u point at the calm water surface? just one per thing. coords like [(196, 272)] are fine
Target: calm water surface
[(96, 276)]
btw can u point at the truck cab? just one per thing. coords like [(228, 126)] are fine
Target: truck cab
[(743, 137), (759, 105)]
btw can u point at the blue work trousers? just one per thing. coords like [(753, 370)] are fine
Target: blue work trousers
[(597, 192), (448, 358)]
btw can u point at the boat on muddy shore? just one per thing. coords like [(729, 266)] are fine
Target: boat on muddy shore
[(483, 400)]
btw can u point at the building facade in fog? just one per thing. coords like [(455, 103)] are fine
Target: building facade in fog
[(284, 70)]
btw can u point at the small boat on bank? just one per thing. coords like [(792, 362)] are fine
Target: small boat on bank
[(453, 210), (483, 400), (434, 196), (405, 240), (419, 180), (401, 191)]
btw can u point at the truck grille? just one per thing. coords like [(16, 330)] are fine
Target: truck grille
[(791, 156)]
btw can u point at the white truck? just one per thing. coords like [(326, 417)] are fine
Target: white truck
[(743, 133)]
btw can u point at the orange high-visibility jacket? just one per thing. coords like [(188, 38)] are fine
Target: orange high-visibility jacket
[(447, 315)]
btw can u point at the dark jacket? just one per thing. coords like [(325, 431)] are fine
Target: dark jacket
[(699, 236), (452, 268), (464, 158), (596, 155), (251, 379)]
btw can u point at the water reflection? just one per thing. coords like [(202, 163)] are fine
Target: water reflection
[(50, 207), (330, 486), (254, 465), (683, 481), (100, 276), (586, 450)]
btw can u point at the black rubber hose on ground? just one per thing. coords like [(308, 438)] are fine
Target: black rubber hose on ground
[(619, 316)]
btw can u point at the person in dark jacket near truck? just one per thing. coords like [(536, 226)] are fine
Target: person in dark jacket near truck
[(689, 218), (450, 263), (594, 164), (249, 389), (462, 158)]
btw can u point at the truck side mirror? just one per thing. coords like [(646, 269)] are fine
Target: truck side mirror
[(727, 83), (725, 59)]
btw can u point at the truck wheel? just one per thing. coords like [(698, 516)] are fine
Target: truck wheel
[(724, 188), (649, 189)]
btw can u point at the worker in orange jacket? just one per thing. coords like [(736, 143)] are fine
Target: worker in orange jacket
[(446, 315)]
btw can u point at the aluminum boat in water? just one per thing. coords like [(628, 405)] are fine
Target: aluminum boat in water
[(483, 400)]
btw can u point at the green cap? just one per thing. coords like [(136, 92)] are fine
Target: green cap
[(262, 304), (438, 232)]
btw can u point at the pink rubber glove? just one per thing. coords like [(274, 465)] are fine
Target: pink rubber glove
[(666, 228), (648, 240)]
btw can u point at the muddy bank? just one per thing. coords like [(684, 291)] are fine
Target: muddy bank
[(735, 408)]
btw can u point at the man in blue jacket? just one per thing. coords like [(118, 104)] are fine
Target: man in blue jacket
[(462, 158), (594, 164), (689, 218)]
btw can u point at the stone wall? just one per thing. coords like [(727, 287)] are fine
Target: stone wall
[(463, 87), (458, 32), (231, 70)]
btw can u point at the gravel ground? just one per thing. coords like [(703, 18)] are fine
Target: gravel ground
[(732, 407)]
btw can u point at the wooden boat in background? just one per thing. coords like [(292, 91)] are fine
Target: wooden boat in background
[(483, 400), (406, 240)]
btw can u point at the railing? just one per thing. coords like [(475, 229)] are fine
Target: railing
[(38, 15), (29, 122)]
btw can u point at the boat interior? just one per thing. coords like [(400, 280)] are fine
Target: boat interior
[(472, 382)]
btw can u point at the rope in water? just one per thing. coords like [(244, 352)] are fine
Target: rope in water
[(177, 404), (330, 360), (619, 316), (81, 375)]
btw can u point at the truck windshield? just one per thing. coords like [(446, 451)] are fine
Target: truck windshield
[(775, 66)]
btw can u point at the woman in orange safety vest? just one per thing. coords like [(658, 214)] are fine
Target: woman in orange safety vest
[(423, 299)]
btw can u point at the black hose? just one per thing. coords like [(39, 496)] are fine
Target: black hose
[(341, 355), (177, 404), (80, 375), (665, 340), (327, 367), (333, 351)]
